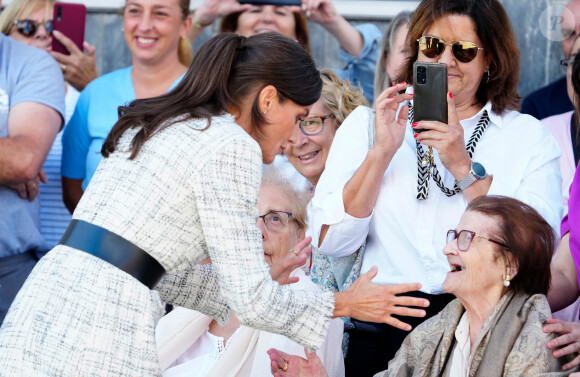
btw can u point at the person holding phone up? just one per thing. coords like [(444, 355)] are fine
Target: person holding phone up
[(360, 44), (401, 198)]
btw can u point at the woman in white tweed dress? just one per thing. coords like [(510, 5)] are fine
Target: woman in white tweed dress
[(180, 182)]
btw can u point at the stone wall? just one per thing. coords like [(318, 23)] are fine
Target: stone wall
[(540, 56)]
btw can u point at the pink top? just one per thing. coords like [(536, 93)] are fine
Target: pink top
[(559, 126), (571, 222)]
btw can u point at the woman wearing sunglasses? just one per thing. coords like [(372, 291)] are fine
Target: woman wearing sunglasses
[(156, 34), (402, 201), (30, 22), (500, 274)]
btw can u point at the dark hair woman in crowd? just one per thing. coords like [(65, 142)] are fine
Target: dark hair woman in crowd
[(179, 183), (500, 274), (401, 195)]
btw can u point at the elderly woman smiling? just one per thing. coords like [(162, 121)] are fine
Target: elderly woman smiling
[(500, 272), (402, 194), (192, 344)]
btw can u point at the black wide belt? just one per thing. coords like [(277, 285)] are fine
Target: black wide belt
[(114, 249)]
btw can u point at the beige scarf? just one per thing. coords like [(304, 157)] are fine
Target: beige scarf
[(510, 343)]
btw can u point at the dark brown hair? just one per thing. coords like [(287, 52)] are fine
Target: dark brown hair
[(494, 29), (230, 24), (530, 240), (226, 70)]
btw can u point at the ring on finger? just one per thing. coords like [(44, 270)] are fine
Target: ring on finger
[(285, 367), (294, 251), (63, 67)]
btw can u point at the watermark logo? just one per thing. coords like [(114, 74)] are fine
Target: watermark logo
[(557, 22)]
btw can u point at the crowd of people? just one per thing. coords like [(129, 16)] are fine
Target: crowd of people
[(239, 211)]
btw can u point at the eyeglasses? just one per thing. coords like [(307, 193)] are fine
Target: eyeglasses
[(465, 237), (566, 63), (276, 220), (28, 28), (314, 125), (463, 51)]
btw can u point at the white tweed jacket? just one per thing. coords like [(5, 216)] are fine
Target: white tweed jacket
[(190, 195)]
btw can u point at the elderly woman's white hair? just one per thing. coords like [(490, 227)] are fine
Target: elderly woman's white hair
[(298, 198)]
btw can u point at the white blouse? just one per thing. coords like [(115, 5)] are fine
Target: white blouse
[(405, 236)]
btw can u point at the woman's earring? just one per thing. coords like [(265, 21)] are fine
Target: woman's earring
[(487, 75), (506, 282), (265, 111)]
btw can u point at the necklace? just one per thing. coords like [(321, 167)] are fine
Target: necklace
[(426, 162)]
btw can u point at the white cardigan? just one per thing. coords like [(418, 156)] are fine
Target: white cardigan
[(245, 355)]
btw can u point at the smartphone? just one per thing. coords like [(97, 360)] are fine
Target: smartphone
[(272, 2), (430, 92), (69, 19)]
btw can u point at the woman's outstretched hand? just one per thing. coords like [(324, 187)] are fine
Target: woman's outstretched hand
[(371, 302), (284, 365), (281, 270)]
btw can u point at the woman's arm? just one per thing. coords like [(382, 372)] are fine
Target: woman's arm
[(564, 285), (72, 191), (196, 288), (228, 216), (361, 191)]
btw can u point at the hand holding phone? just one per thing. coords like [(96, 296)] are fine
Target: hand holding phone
[(271, 2), (69, 19), (430, 92)]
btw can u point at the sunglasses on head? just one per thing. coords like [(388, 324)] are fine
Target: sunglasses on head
[(29, 27), (433, 47)]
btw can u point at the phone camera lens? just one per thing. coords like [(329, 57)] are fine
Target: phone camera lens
[(421, 69)]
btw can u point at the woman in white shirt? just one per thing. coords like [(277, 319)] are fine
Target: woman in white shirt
[(193, 344), (385, 194), (500, 273)]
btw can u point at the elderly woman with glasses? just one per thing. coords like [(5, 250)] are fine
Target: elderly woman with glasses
[(403, 193), (500, 274), (193, 344)]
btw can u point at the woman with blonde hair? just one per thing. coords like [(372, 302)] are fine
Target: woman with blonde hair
[(156, 32)]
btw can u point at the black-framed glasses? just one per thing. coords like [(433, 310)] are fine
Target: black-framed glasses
[(276, 220), (566, 63), (465, 237), (463, 51), (314, 125), (29, 27)]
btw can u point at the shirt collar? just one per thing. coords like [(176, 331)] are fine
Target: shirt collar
[(494, 118)]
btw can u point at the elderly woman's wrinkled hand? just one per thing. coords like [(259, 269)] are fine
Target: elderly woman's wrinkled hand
[(567, 343), (377, 303), (390, 128), (284, 365), (281, 270), (448, 140)]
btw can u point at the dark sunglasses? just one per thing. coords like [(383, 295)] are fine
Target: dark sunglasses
[(465, 237), (29, 27), (463, 51)]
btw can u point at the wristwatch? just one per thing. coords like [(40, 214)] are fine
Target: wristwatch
[(476, 173)]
